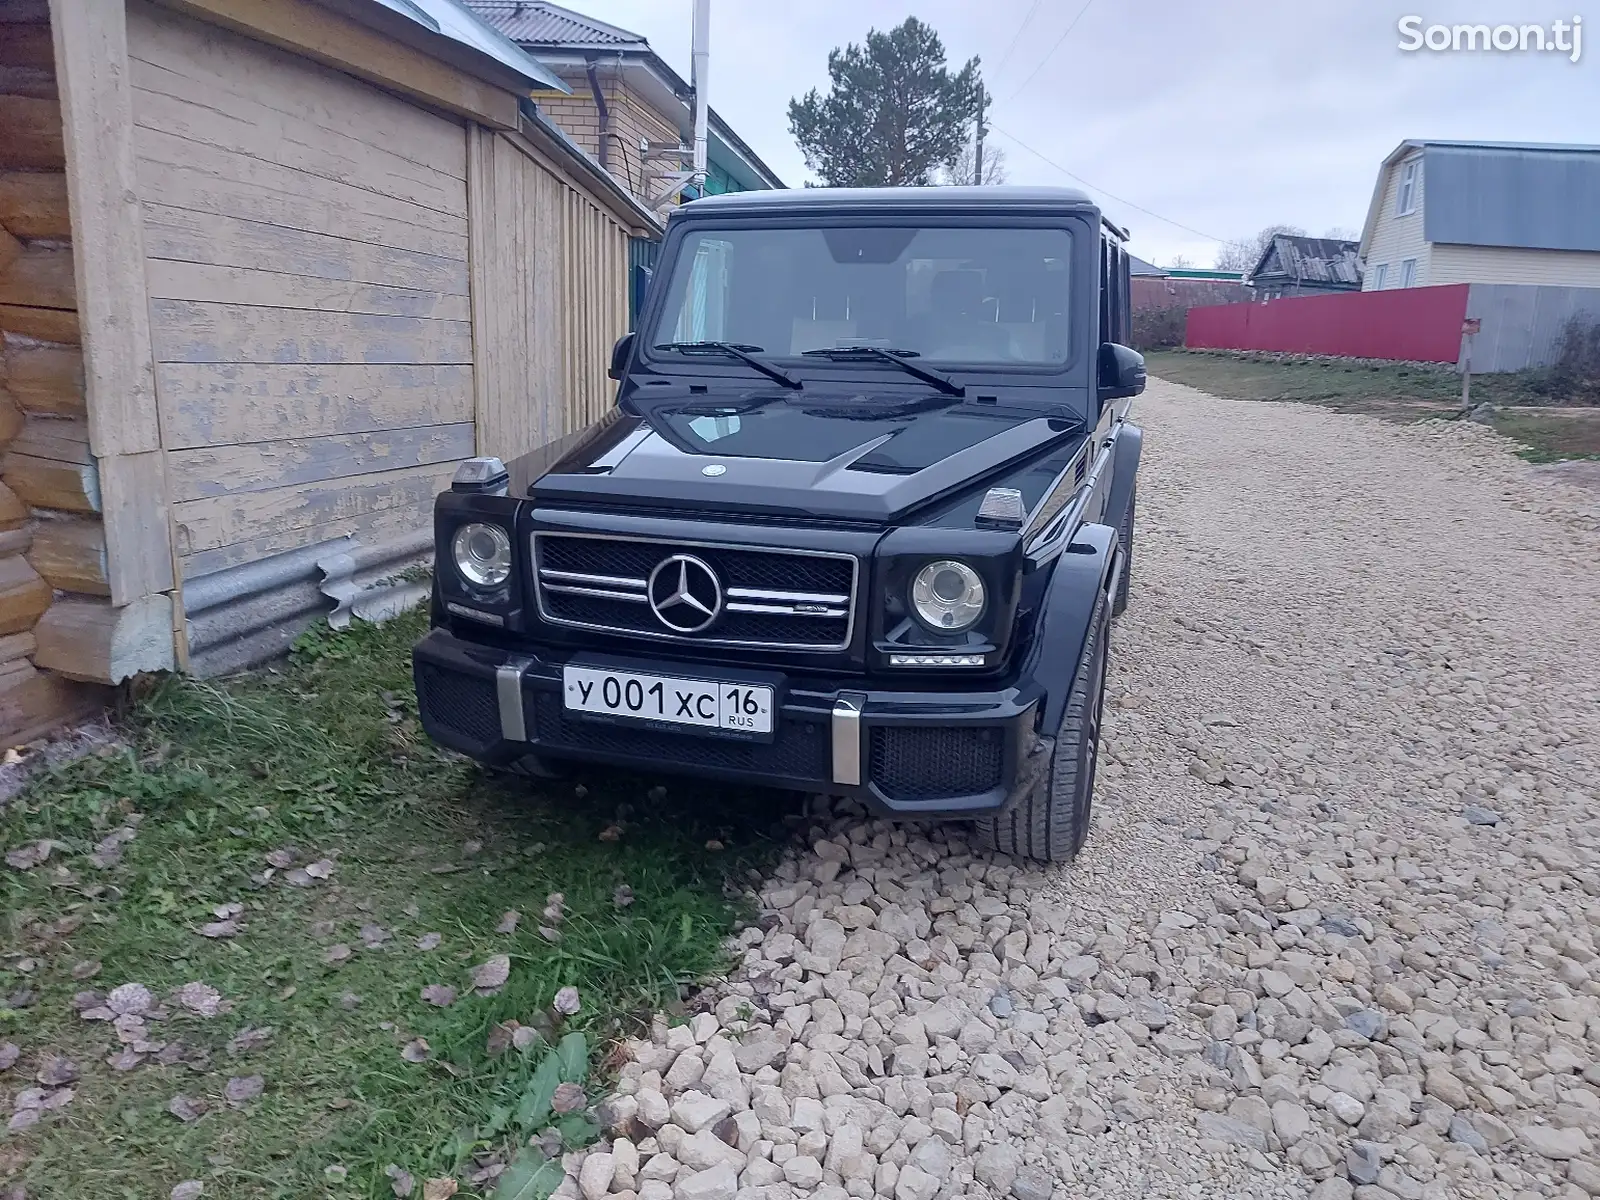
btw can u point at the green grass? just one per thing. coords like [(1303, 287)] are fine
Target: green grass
[(326, 756), (1528, 410)]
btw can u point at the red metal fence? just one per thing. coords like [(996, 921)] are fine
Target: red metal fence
[(1412, 324)]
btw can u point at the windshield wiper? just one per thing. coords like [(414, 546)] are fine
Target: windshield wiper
[(899, 358), (743, 353)]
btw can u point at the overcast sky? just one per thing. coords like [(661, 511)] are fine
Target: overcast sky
[(1221, 116)]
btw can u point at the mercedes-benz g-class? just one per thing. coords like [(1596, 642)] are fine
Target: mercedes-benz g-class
[(858, 523)]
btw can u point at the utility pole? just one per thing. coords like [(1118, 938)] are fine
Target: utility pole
[(977, 158)]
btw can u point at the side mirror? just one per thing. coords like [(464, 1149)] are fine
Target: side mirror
[(1121, 372), (619, 356)]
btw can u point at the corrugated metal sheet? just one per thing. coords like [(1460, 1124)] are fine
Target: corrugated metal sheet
[(457, 21), (535, 22), (1533, 197), (252, 613), (1523, 325)]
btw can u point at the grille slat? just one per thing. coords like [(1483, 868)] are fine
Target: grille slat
[(918, 763), (827, 581)]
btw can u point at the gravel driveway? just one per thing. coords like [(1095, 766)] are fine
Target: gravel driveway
[(1334, 932)]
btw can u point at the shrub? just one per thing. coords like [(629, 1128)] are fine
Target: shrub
[(1576, 371), (1159, 328)]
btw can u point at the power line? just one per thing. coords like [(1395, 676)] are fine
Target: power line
[(1120, 200), (1016, 37), (1088, 4)]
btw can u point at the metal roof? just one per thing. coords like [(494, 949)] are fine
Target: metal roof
[(540, 23), (1310, 260), (1534, 198), (1138, 266), (968, 197), (1532, 195), (456, 21)]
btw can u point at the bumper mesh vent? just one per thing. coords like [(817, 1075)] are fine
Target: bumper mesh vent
[(917, 763), (460, 710)]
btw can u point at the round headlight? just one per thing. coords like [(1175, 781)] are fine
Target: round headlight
[(948, 595), (482, 554)]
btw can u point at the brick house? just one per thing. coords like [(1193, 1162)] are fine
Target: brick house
[(627, 107)]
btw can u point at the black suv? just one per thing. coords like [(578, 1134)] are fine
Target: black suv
[(858, 523)]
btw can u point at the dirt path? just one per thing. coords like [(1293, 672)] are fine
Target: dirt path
[(1335, 932)]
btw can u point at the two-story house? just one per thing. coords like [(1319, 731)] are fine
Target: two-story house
[(1484, 212), (627, 108)]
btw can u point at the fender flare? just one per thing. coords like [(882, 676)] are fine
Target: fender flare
[(1082, 572), (1124, 471)]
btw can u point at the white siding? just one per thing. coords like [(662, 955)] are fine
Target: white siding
[(307, 272), (1395, 238), (1506, 264)]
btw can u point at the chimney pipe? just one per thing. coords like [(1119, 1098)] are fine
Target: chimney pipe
[(701, 71)]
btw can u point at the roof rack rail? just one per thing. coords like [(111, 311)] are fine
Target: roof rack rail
[(1119, 231)]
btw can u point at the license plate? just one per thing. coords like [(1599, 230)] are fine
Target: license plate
[(697, 703)]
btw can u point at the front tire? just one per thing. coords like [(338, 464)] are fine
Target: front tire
[(1119, 602), (1052, 822)]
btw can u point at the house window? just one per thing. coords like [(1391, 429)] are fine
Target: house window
[(1380, 276), (1408, 272), (1406, 202)]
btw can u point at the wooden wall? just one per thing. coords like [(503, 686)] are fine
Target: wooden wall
[(52, 539), (550, 296), (308, 285)]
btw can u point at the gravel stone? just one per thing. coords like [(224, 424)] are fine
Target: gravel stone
[(1334, 936)]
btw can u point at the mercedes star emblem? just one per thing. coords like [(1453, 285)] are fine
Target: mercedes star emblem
[(714, 470), (684, 593)]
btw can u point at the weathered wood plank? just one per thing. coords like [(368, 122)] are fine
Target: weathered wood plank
[(185, 236), (39, 82), (51, 483), (30, 133), (63, 439), (41, 277), (10, 250), (217, 333), (26, 45), (220, 521), (91, 44), (258, 466), (70, 554), (16, 645), (11, 417), (23, 595), (45, 377), (98, 642), (206, 404), (272, 289), (33, 204), (47, 324), (257, 133), (221, 61), (16, 541), (14, 512), (176, 172), (371, 528), (137, 515), (33, 705), (337, 41), (25, 12)]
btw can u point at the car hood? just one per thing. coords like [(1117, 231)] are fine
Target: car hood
[(876, 470)]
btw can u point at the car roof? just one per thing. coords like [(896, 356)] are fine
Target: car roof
[(825, 199)]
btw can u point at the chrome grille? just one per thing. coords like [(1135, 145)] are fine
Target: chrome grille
[(776, 598)]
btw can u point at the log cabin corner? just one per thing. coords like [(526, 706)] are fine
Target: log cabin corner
[(268, 270)]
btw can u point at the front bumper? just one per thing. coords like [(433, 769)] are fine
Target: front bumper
[(903, 752)]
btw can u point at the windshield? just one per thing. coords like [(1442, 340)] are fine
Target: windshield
[(952, 295)]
